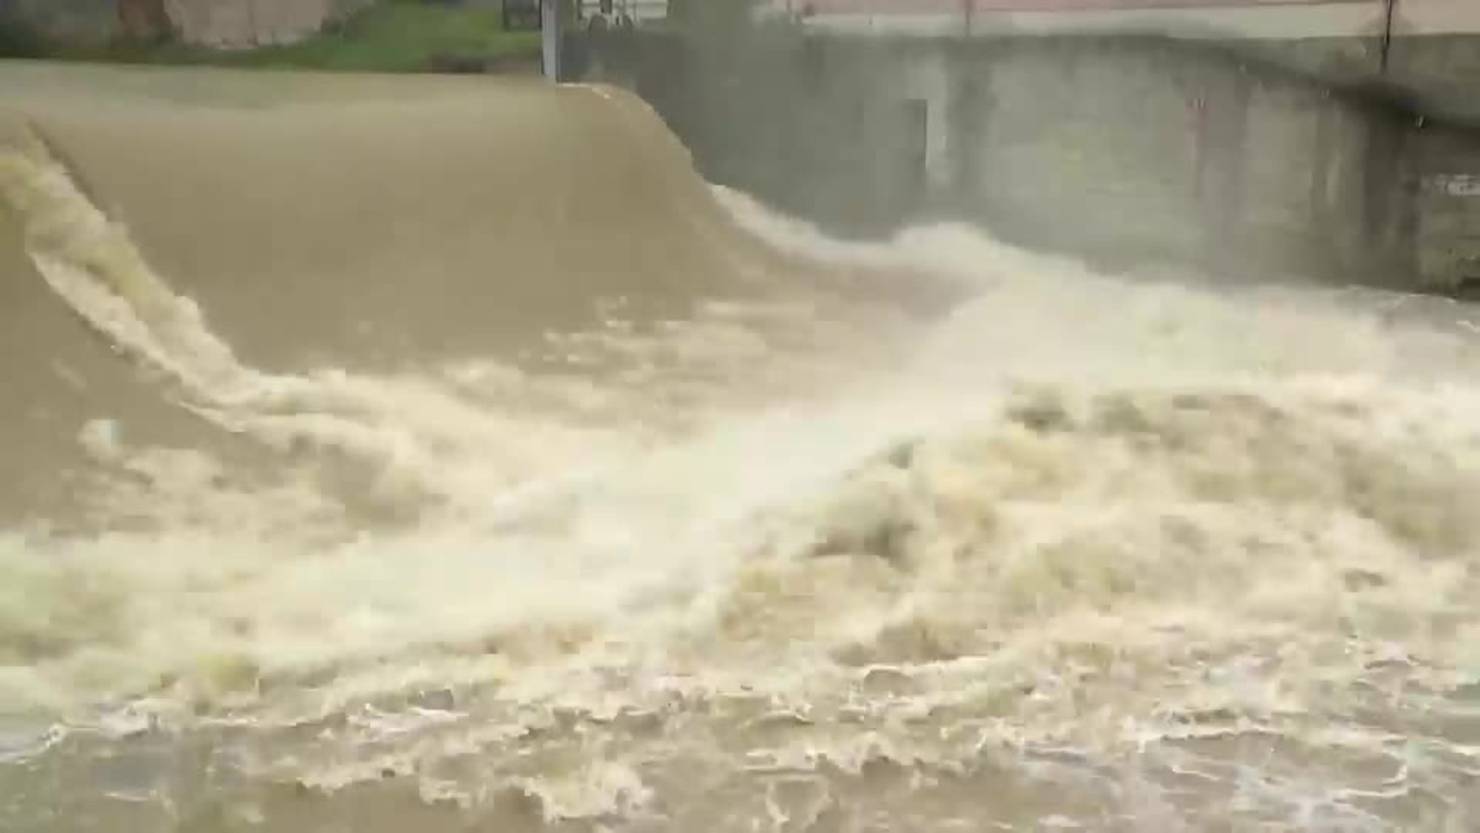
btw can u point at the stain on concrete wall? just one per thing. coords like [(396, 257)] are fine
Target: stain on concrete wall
[(1448, 206)]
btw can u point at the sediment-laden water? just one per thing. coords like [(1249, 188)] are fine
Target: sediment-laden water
[(444, 455)]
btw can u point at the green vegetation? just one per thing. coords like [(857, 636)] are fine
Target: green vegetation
[(391, 36), (405, 36)]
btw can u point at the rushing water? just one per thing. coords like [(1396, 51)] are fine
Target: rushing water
[(636, 507)]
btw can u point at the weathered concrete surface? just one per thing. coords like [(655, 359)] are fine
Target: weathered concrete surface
[(1284, 135), (1122, 149), (1447, 213)]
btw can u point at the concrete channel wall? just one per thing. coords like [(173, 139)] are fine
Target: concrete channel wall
[(1243, 158)]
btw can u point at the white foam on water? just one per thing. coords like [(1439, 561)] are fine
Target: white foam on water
[(1106, 536)]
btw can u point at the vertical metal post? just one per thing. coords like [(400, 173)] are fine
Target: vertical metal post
[(550, 24), (252, 38), (1387, 38)]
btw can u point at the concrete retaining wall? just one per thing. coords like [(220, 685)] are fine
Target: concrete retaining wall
[(1119, 148)]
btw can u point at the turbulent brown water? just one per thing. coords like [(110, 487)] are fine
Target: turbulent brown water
[(441, 455)]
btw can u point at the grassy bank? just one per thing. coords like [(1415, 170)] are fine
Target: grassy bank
[(393, 36)]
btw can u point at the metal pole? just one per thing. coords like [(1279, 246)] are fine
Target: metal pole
[(550, 37), (1387, 38)]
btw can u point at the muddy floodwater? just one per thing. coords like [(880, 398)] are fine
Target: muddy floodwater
[(417, 455)]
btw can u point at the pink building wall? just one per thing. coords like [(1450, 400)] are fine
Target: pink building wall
[(1183, 18)]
